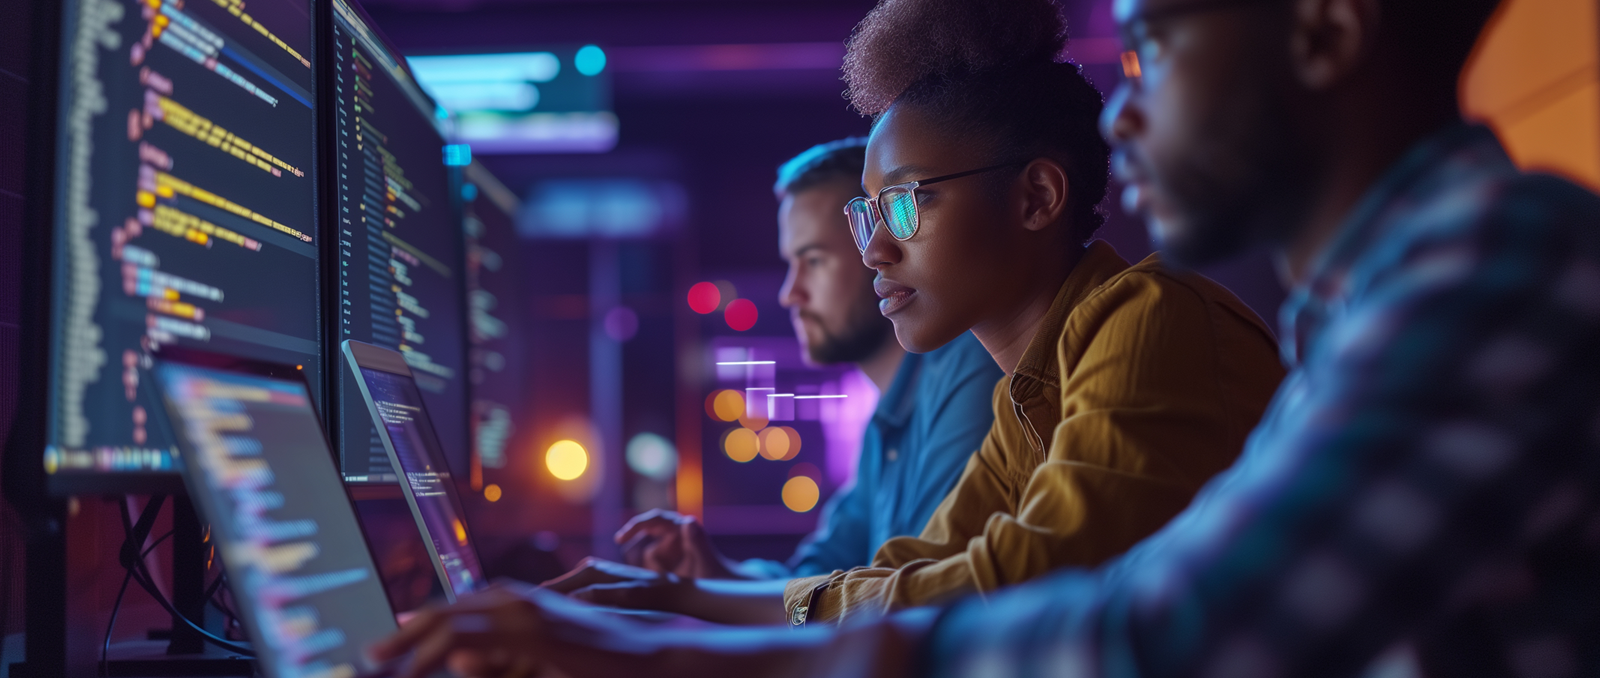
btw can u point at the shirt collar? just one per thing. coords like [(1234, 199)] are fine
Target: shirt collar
[(896, 405), (1310, 304)]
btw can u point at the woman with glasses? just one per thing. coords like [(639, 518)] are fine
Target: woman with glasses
[(1127, 386)]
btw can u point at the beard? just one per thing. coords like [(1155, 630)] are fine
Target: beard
[(1232, 193), (863, 333)]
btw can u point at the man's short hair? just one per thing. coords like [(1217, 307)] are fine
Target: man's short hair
[(823, 163)]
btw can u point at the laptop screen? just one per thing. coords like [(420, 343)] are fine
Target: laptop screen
[(421, 463), (258, 467)]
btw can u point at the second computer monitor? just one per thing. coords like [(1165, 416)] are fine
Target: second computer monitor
[(399, 279)]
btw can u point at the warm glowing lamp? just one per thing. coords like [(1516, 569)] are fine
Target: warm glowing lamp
[(566, 460)]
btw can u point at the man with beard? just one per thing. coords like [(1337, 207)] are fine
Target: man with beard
[(933, 413), (1424, 491)]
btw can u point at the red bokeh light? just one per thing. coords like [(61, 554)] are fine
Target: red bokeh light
[(704, 298), (741, 314)]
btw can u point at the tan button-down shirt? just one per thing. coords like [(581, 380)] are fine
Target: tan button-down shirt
[(1141, 384)]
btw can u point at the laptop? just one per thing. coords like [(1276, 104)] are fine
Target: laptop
[(402, 422), (258, 467)]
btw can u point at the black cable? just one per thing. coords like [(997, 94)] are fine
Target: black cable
[(141, 576), (105, 646)]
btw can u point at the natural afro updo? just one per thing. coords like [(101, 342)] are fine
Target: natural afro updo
[(990, 70)]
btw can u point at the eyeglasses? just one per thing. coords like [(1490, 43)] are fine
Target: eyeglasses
[(1142, 49), (896, 207)]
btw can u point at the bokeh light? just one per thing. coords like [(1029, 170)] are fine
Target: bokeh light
[(566, 459), (808, 470), (491, 492), (741, 314), (753, 423), (774, 443), (725, 405), (779, 443), (590, 60), (652, 456), (794, 443), (704, 298), (801, 493), (741, 444), (621, 323)]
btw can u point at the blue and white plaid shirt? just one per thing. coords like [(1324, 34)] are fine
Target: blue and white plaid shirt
[(1428, 474)]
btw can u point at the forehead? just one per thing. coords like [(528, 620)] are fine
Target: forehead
[(815, 216)]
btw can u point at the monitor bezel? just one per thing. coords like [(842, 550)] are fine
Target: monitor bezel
[(360, 355)]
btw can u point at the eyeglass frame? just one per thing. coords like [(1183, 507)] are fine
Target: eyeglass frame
[(1135, 31), (916, 215)]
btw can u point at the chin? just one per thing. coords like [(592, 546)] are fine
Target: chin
[(1191, 242), (917, 337)]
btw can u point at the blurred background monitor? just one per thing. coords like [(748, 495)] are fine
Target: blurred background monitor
[(183, 214), (400, 270)]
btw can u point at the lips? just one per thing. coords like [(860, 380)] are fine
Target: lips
[(1135, 191), (892, 295)]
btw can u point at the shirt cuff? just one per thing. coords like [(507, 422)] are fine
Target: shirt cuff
[(801, 597)]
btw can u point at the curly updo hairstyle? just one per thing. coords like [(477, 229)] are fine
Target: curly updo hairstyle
[(990, 71)]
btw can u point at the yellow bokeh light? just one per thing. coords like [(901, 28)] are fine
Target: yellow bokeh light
[(566, 460), (741, 444), (461, 531), (800, 494), (794, 443), (491, 492), (728, 405), (775, 443)]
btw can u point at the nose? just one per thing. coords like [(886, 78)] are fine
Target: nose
[(791, 293), (1121, 120), (882, 249)]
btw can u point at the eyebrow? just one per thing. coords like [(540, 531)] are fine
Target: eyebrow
[(898, 175)]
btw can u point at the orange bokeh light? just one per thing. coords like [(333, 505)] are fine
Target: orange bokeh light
[(801, 493), (491, 492), (725, 405), (741, 444)]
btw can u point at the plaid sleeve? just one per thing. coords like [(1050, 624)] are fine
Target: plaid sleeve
[(1440, 441)]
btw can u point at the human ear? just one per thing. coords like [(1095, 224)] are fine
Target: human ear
[(1330, 38), (1045, 192)]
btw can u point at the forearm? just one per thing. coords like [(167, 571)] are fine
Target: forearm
[(885, 649), (734, 602)]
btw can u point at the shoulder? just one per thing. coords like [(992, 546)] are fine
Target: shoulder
[(1151, 293)]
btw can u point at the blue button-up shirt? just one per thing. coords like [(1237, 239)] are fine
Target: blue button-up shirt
[(933, 417), (1427, 476)]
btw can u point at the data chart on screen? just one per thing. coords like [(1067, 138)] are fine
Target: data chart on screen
[(263, 477), (185, 210), (400, 242)]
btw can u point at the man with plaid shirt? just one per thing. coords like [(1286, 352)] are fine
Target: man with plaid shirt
[(1426, 484)]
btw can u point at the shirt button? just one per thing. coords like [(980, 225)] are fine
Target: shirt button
[(893, 454)]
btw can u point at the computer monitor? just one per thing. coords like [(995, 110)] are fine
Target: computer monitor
[(389, 390), (496, 329), (261, 475), (400, 265), (183, 207)]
